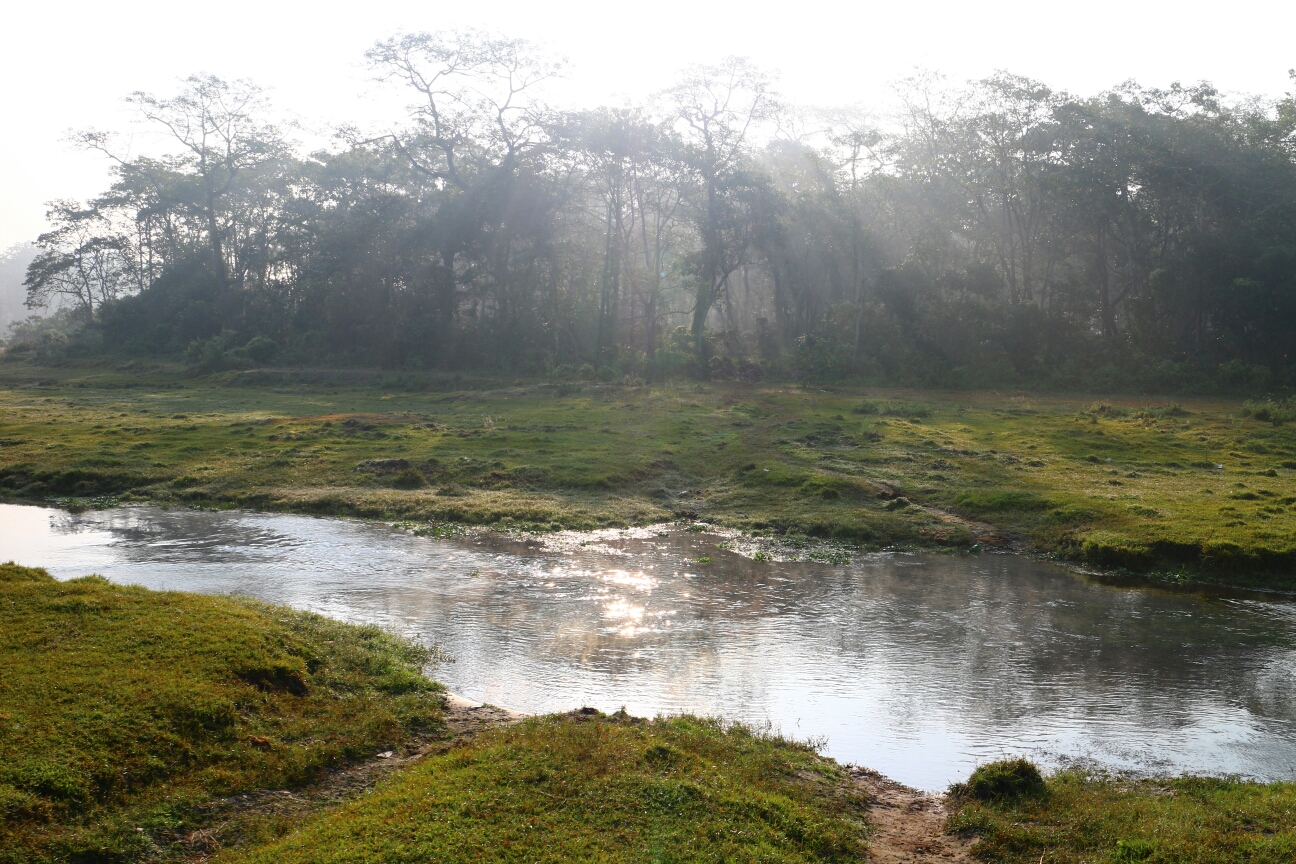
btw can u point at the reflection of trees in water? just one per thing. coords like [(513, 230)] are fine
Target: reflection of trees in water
[(143, 534), (993, 648)]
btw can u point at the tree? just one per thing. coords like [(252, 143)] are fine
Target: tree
[(80, 263), (476, 124), (716, 108), (222, 139)]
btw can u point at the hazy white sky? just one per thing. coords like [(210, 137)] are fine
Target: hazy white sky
[(68, 64)]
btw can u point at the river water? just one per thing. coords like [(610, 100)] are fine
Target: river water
[(919, 666)]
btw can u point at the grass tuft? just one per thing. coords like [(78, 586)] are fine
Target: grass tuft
[(1001, 781)]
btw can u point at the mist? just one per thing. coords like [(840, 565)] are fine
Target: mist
[(483, 201)]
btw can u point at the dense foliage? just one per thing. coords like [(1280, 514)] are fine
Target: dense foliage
[(999, 233)]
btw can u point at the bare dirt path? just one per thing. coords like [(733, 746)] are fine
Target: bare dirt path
[(908, 825)]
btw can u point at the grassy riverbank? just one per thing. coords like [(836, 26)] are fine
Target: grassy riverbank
[(1135, 484), (592, 788), (1080, 818), (133, 723), (139, 725), (142, 726)]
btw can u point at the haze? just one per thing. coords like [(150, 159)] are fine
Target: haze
[(68, 65)]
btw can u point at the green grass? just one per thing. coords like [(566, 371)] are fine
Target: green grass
[(127, 716), (597, 788), (869, 469), (133, 722), (1080, 818)]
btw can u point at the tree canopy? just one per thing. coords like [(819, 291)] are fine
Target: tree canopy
[(998, 232)]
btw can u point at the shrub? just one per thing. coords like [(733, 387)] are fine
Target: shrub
[(1004, 780), (408, 479)]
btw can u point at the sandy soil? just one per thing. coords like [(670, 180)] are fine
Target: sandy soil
[(908, 825)]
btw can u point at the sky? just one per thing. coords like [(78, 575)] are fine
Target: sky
[(68, 65)]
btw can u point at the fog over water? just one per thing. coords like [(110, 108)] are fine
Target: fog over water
[(917, 665)]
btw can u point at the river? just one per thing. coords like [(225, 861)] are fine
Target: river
[(919, 666)]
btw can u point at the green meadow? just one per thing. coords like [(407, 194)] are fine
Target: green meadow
[(132, 721), (1178, 490)]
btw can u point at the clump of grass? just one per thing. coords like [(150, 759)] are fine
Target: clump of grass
[(1086, 818), (1006, 779), (1106, 409), (590, 787), (1159, 412), (1269, 411), (125, 709)]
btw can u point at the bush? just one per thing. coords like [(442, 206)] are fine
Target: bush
[(1007, 779), (408, 479)]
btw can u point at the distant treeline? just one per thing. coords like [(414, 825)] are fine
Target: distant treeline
[(998, 233)]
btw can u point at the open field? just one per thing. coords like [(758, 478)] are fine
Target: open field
[(1192, 488)]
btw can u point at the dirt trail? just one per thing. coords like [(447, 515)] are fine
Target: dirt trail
[(987, 535), (908, 825)]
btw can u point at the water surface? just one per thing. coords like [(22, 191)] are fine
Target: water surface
[(919, 666)]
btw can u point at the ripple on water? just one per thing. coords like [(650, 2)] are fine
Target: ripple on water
[(918, 666)]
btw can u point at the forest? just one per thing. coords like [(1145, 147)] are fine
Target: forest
[(997, 233)]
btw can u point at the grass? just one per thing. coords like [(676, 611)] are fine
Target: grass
[(597, 788), (1082, 818), (137, 725), (145, 726), (1123, 485), (129, 717)]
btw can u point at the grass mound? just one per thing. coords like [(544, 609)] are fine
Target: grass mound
[(125, 713), (1001, 781), (1098, 819), (598, 788)]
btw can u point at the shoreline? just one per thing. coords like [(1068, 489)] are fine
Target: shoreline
[(830, 552)]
